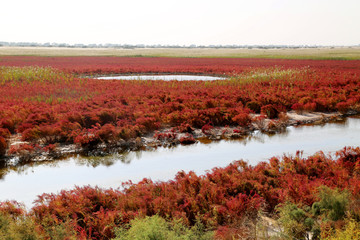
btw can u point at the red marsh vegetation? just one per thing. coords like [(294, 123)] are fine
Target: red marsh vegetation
[(47, 105), (317, 195), (44, 103), (128, 65)]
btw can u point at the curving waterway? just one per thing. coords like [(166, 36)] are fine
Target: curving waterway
[(25, 183)]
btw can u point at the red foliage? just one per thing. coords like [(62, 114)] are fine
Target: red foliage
[(89, 112), (206, 128), (3, 146), (221, 199), (298, 107), (21, 149), (4, 134), (254, 106), (165, 136), (66, 111), (187, 139), (185, 128), (12, 208), (106, 65), (270, 111), (343, 107), (50, 148), (242, 119)]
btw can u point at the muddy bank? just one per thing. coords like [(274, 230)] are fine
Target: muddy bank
[(170, 137), (167, 137)]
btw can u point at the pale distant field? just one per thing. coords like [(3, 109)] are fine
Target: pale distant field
[(302, 53)]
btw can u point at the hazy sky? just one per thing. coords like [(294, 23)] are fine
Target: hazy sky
[(293, 22)]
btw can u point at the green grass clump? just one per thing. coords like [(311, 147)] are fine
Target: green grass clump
[(321, 220), (296, 222), (20, 227), (333, 204), (157, 228)]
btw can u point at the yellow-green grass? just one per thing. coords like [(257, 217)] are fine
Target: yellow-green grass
[(30, 74), (346, 53), (265, 74)]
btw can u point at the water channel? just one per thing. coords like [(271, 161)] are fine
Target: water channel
[(163, 77), (25, 183)]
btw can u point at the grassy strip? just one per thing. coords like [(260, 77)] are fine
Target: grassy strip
[(339, 53), (18, 75)]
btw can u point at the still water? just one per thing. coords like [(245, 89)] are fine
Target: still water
[(25, 183), (163, 77)]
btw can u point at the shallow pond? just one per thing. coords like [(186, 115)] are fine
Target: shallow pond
[(24, 183), (163, 77)]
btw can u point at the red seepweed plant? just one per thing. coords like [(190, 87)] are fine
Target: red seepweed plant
[(223, 199), (48, 106)]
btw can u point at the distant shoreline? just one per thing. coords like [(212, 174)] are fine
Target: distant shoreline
[(337, 53)]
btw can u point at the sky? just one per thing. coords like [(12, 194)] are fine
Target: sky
[(185, 22)]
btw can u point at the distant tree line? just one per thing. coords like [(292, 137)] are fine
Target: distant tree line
[(130, 46)]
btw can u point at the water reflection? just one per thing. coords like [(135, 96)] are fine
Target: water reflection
[(106, 161), (23, 183), (301, 135)]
